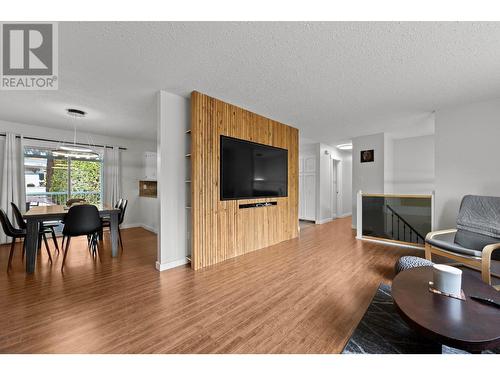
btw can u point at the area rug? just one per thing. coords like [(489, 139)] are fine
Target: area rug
[(382, 331)]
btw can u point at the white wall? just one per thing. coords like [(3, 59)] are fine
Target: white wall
[(367, 177), (388, 163), (140, 211), (173, 121), (467, 161), (346, 170), (409, 165)]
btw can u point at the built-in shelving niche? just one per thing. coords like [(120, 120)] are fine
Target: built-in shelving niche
[(148, 189)]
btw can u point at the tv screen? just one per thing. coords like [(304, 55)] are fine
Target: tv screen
[(252, 170)]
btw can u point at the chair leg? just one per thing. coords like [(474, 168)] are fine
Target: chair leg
[(62, 243), (90, 238), (54, 239), (12, 246), (428, 252), (486, 262), (120, 238), (24, 250), (47, 246), (39, 241), (68, 240), (97, 247)]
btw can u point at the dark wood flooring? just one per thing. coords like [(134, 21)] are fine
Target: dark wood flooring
[(305, 295)]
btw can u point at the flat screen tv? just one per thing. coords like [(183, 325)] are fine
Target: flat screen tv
[(252, 170)]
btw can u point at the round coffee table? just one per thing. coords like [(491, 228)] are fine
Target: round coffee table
[(468, 325)]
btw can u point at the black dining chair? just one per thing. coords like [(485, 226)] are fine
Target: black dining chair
[(119, 203), (42, 231), (69, 203), (81, 220), (106, 223), (10, 231)]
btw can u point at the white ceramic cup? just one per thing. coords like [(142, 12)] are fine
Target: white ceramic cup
[(447, 279)]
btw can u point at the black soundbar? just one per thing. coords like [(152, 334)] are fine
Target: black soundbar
[(254, 205)]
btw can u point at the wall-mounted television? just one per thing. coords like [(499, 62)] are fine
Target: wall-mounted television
[(252, 170)]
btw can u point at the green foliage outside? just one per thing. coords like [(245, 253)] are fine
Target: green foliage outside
[(85, 177)]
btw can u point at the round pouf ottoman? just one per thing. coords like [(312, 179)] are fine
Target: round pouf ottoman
[(407, 262)]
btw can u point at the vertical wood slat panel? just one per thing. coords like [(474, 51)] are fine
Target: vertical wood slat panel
[(220, 229)]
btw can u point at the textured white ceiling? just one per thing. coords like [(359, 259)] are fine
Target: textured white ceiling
[(331, 80)]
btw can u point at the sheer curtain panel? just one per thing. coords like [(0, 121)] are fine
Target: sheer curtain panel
[(112, 175), (12, 177)]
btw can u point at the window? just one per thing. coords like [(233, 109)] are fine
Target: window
[(53, 180)]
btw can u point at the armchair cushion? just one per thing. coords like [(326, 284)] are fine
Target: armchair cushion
[(480, 214), (464, 242), (446, 241)]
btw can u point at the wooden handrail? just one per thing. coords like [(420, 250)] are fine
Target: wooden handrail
[(421, 196)]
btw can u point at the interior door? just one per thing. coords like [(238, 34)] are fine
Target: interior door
[(307, 188), (310, 197)]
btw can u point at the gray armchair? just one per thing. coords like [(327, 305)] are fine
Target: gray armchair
[(476, 237)]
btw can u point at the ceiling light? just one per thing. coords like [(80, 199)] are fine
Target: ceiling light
[(73, 112), (75, 150), (75, 155), (345, 146)]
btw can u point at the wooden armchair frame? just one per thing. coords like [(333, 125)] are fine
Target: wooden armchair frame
[(482, 263)]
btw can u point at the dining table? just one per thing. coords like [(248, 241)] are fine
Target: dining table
[(36, 215)]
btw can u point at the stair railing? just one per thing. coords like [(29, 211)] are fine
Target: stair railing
[(412, 231)]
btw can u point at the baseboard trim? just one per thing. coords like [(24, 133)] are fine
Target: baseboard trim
[(151, 229), (166, 266), (345, 215), (127, 226), (144, 226), (324, 221), (390, 243)]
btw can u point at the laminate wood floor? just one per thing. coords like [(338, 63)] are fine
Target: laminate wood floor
[(301, 296)]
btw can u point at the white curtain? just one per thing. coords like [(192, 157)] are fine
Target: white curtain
[(12, 178), (112, 175)]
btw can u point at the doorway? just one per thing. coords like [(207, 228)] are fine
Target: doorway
[(336, 188)]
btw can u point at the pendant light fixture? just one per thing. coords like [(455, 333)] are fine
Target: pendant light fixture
[(75, 150)]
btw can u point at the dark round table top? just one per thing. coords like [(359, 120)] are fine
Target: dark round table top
[(467, 325)]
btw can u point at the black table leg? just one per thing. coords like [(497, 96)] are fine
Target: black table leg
[(31, 244), (113, 230)]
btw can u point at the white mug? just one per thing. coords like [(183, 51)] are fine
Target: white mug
[(447, 279)]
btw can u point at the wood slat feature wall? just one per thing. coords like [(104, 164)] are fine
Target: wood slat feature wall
[(221, 230)]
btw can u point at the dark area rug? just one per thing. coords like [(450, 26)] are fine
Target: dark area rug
[(382, 331)]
